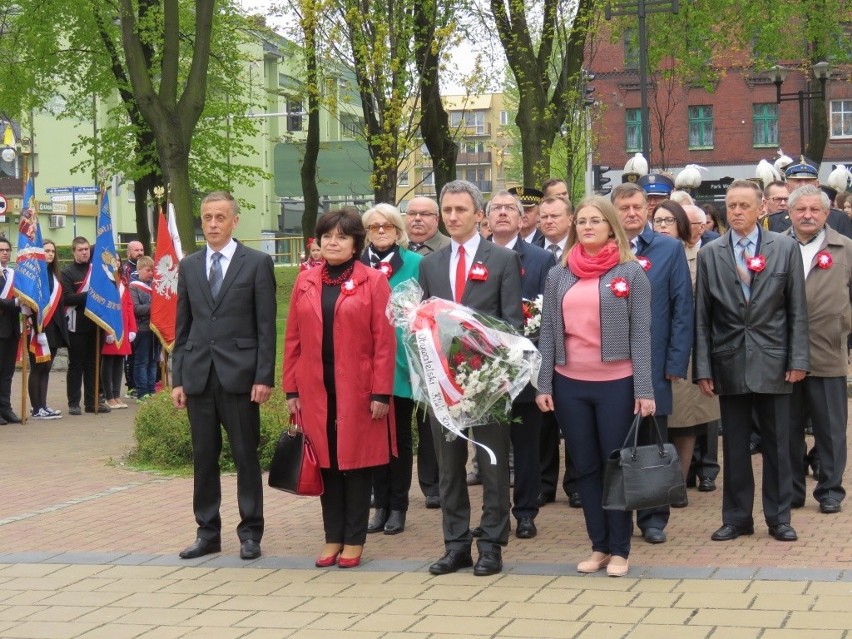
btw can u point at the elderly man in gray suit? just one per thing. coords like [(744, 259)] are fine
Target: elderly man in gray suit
[(224, 368), (445, 274), (751, 346)]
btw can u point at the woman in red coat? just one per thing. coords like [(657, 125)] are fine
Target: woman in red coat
[(339, 362), (112, 360)]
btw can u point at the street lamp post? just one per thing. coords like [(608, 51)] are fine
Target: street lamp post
[(779, 74)]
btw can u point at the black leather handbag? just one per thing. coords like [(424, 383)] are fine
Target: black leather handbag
[(295, 467), (637, 477)]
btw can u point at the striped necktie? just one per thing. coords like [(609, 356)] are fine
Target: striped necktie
[(744, 254)]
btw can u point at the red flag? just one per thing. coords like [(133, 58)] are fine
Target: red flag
[(164, 286)]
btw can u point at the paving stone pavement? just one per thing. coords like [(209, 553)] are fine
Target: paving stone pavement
[(88, 549)]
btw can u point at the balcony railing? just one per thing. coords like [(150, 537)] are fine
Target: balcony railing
[(483, 157)]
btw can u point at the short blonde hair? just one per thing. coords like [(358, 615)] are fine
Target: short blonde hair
[(144, 261), (392, 215), (607, 210)]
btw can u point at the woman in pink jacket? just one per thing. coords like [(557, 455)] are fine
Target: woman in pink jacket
[(339, 366)]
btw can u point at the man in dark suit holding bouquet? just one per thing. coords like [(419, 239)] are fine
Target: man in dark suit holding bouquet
[(487, 279)]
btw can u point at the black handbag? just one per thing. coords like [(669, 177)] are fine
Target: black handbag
[(295, 466), (637, 477)]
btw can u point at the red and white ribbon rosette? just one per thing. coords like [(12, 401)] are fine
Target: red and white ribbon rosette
[(466, 366), (824, 260)]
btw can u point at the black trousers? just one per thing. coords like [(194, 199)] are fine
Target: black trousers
[(705, 458), (82, 357), (526, 442), (111, 368), (8, 354), (824, 400), (38, 379), (392, 481), (345, 499), (208, 413), (427, 462), (773, 413), (550, 438)]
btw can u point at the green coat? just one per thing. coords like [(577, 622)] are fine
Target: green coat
[(410, 270)]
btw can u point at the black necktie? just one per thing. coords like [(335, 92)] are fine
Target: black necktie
[(215, 277)]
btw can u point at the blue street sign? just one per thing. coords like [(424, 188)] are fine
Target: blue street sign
[(74, 189)]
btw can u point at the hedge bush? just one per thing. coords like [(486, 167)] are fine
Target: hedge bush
[(163, 440)]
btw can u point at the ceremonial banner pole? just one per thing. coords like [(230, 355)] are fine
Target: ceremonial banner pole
[(25, 356)]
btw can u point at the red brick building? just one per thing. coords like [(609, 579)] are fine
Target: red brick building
[(728, 131)]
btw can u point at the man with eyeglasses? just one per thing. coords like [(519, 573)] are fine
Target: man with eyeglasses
[(672, 317), (805, 173), (9, 333), (421, 224)]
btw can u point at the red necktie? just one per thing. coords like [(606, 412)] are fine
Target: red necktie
[(461, 275)]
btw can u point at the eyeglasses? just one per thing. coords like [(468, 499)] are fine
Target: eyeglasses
[(387, 227), (664, 221), (420, 214), (778, 200), (592, 221)]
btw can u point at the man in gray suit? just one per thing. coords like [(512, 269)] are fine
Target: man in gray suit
[(751, 346), (444, 274), (224, 368)]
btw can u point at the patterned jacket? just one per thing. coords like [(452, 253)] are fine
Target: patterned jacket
[(625, 325)]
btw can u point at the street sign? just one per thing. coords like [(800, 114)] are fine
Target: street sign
[(45, 207), (73, 189), (79, 197), (59, 207), (3, 204)]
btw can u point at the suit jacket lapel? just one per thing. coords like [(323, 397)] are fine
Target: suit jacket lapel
[(201, 275), (443, 285), (766, 247), (726, 253)]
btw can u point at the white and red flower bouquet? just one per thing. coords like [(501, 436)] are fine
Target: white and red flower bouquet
[(466, 366)]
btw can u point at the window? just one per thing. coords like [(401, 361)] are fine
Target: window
[(765, 124), (701, 127), (352, 126), (428, 178), (631, 48), (403, 178), (294, 115), (472, 120), (633, 122), (841, 118), (504, 118)]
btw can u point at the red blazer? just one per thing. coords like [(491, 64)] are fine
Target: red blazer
[(364, 363), (129, 319)]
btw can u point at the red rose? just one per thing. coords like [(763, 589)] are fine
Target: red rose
[(620, 287), (476, 362), (756, 263), (458, 359), (824, 260)]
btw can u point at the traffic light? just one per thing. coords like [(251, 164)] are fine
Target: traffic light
[(600, 181), (587, 92)]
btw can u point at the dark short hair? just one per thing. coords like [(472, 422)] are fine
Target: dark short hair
[(5, 240), (684, 229), (347, 220), (550, 182), (766, 188), (77, 241), (627, 189)]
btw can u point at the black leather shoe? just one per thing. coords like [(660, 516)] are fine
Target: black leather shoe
[(729, 532), (10, 417), (543, 499), (378, 521), (829, 506), (200, 548), (783, 532), (706, 485), (453, 561), (477, 531), (395, 523), (490, 562), (574, 500), (526, 528), (433, 501), (654, 535), (797, 503), (250, 549)]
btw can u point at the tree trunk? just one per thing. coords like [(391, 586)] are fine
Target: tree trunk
[(142, 187), (434, 120), (308, 173)]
